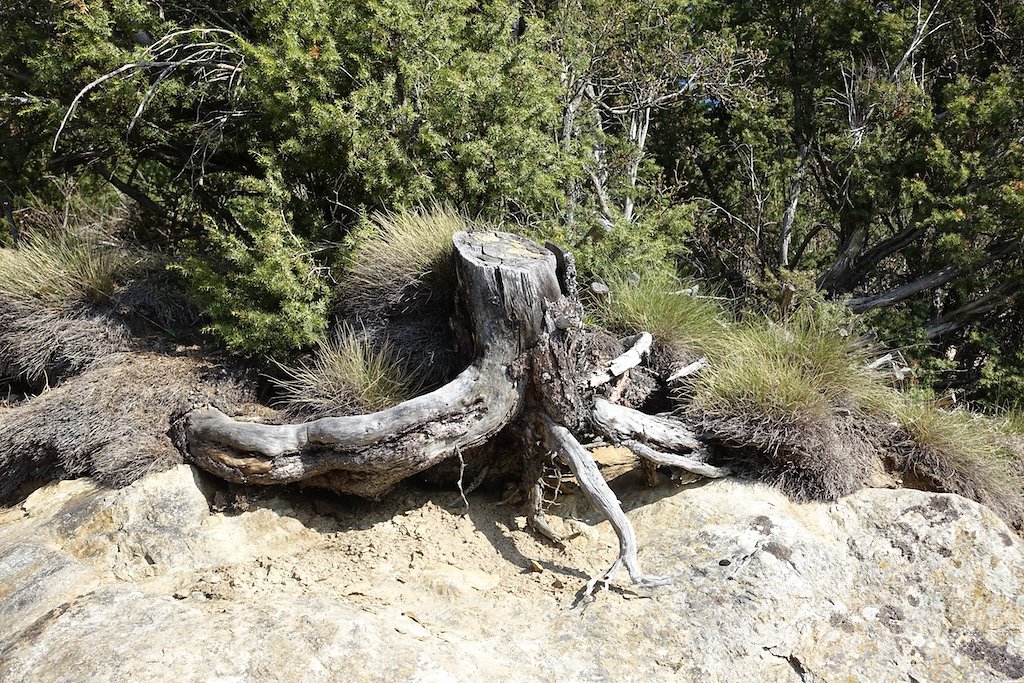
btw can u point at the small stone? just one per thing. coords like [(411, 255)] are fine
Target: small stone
[(535, 566)]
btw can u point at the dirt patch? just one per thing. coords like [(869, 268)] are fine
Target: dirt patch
[(411, 547)]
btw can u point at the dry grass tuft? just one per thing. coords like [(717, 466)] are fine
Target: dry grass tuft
[(799, 372), (795, 404), (111, 421), (60, 270), (957, 451), (403, 264), (346, 375), (820, 460), (42, 346), (68, 254), (56, 290), (399, 287), (654, 302)]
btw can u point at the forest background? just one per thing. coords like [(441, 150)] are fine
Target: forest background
[(866, 153)]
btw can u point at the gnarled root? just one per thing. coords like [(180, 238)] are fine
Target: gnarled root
[(561, 440), (636, 431)]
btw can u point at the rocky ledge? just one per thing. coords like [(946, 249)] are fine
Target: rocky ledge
[(147, 584)]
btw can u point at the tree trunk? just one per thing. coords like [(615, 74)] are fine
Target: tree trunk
[(506, 285), (793, 201), (533, 372)]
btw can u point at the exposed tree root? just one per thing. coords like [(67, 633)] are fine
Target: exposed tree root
[(673, 460), (603, 498), (519, 307)]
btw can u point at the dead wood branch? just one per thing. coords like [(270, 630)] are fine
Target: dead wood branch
[(687, 370), (673, 460), (627, 361), (600, 494), (621, 423)]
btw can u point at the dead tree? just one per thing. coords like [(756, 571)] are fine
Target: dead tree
[(519, 303)]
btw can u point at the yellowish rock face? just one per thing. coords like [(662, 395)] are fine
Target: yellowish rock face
[(147, 584)]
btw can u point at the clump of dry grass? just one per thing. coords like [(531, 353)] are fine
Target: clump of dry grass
[(656, 302), (348, 374), (42, 346), (795, 403), (68, 254), (798, 371), (110, 421), (61, 269), (958, 451), (399, 286), (402, 262), (55, 289), (798, 405)]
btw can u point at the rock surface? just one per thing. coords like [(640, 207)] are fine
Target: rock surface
[(147, 584)]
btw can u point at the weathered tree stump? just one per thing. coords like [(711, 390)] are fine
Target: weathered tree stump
[(518, 302)]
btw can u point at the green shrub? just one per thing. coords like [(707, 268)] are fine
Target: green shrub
[(348, 375), (258, 284)]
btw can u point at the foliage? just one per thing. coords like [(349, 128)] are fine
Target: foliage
[(258, 285), (874, 149), (347, 375), (266, 126), (887, 162)]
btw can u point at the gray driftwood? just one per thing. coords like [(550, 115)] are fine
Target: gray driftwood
[(518, 302)]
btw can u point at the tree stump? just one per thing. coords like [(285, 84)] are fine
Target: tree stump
[(518, 302)]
